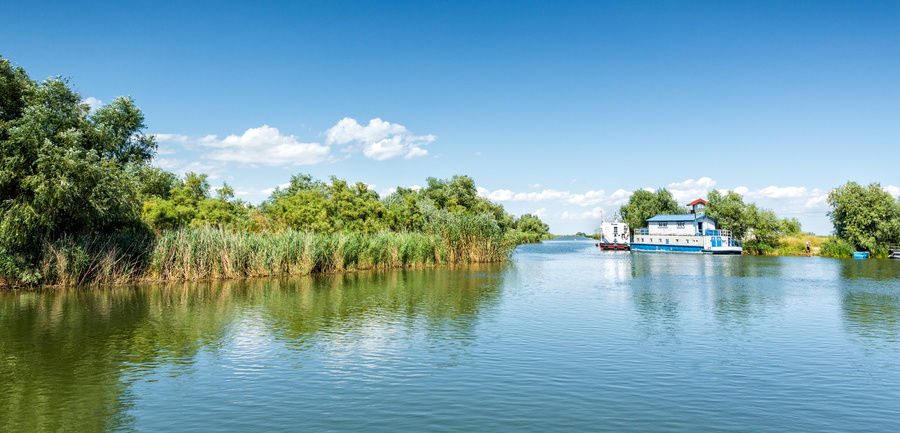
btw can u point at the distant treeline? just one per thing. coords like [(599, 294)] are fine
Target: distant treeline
[(81, 204)]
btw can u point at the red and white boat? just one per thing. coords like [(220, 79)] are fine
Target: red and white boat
[(614, 235)]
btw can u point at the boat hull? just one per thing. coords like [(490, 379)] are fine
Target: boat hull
[(685, 244), (614, 247), (655, 248)]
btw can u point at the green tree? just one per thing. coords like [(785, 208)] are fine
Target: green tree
[(791, 227), (765, 225), (115, 128), (190, 203), (729, 211), (402, 210), (529, 223), (354, 208), (63, 170), (645, 204), (304, 210), (153, 182), (867, 217)]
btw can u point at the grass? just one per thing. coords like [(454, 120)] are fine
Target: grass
[(796, 245)]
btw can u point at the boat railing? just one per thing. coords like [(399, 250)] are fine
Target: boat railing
[(722, 233)]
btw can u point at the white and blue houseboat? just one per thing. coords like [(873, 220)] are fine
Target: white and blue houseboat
[(692, 233)]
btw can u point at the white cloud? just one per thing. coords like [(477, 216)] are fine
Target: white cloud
[(173, 138), (620, 197), (379, 140), (265, 145), (893, 190), (690, 189), (269, 191), (181, 167), (415, 152), (775, 192), (595, 213), (541, 213), (548, 195), (587, 199), (93, 102), (534, 185), (703, 182), (816, 202)]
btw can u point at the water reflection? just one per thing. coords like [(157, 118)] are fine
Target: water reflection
[(870, 300), (68, 359), (659, 308), (735, 289)]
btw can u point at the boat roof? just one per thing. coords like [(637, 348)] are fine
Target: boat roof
[(679, 218)]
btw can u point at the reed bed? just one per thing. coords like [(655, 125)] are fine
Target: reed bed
[(214, 253), (94, 259)]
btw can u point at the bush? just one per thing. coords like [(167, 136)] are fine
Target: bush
[(758, 247), (836, 248)]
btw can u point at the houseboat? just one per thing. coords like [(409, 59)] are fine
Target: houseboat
[(614, 235), (695, 232)]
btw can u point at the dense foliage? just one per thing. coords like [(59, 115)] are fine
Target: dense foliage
[(80, 203), (645, 204), (867, 218), (63, 169), (760, 228)]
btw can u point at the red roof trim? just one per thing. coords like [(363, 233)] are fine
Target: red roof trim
[(699, 200)]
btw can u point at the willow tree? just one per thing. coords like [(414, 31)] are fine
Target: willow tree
[(63, 168), (644, 204)]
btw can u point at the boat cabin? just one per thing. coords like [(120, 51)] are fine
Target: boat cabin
[(680, 225), (692, 224)]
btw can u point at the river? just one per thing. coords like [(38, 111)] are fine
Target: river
[(563, 338)]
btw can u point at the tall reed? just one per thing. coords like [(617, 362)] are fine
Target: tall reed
[(204, 253), (94, 259), (201, 253)]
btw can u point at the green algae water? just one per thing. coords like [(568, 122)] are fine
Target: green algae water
[(564, 338)]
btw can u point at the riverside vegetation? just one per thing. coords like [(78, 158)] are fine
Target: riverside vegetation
[(81, 204), (864, 219)]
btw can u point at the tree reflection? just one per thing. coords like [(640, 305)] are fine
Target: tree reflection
[(870, 299), (67, 359)]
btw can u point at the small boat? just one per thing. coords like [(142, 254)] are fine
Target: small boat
[(614, 236), (894, 251), (861, 255), (689, 233)]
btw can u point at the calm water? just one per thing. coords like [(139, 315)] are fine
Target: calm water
[(563, 339)]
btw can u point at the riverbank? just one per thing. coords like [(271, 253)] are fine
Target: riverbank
[(208, 253), (824, 246)]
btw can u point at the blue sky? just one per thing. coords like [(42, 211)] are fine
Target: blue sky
[(555, 108)]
